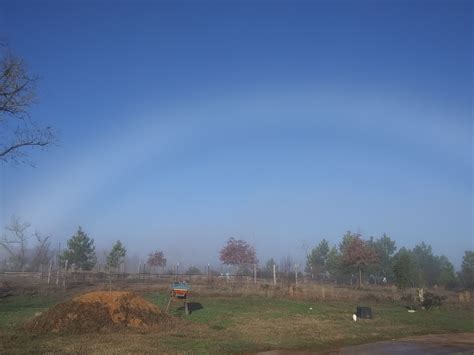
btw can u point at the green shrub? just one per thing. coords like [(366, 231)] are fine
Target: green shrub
[(431, 300)]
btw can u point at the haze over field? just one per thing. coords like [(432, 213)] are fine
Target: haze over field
[(182, 124)]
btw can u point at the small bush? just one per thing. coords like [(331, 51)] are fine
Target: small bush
[(431, 300)]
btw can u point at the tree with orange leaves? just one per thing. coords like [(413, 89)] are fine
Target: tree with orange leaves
[(238, 252), (358, 254)]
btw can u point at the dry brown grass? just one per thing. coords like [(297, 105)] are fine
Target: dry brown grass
[(220, 287)]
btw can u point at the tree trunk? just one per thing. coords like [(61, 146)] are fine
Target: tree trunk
[(360, 277)]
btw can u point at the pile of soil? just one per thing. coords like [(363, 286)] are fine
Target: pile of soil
[(96, 311)]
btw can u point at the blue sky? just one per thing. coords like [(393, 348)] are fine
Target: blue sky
[(183, 123)]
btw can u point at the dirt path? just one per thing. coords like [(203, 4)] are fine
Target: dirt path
[(462, 343)]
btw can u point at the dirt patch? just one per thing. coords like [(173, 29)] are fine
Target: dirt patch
[(460, 343), (99, 310), (459, 340)]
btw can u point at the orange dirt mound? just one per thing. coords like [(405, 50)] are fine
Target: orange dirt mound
[(98, 310)]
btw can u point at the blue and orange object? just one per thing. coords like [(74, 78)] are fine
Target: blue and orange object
[(180, 289)]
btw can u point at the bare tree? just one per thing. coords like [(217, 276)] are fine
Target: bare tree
[(15, 243), (287, 268), (18, 132), (157, 259), (286, 265), (41, 253)]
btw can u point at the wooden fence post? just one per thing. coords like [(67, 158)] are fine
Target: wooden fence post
[(274, 275), (296, 275), (65, 273), (255, 273), (49, 270), (57, 275), (208, 274)]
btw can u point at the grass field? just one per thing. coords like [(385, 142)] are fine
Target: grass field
[(235, 325)]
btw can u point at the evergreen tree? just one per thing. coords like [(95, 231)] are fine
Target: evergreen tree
[(316, 261), (447, 277), (116, 256), (467, 269), (80, 251), (403, 269), (334, 264), (429, 266), (384, 248)]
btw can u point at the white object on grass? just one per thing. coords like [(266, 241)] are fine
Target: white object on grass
[(354, 318), (411, 311)]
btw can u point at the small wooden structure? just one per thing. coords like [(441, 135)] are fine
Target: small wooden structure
[(180, 291)]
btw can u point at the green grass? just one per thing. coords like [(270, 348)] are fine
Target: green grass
[(258, 323), (237, 325), (16, 310)]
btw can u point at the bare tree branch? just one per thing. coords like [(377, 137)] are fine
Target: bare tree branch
[(17, 93), (26, 138)]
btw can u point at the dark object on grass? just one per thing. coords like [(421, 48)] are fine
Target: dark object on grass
[(364, 312), (431, 300), (192, 306)]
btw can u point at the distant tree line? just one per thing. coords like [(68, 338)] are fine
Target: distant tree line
[(353, 261), (80, 253), (377, 261), (356, 260)]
